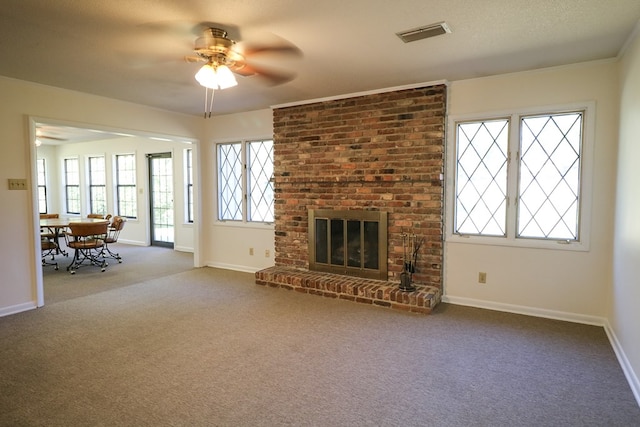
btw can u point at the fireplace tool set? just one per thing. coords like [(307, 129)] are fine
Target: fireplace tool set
[(410, 247)]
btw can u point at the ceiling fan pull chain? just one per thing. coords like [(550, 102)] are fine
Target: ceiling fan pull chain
[(211, 102), (206, 92)]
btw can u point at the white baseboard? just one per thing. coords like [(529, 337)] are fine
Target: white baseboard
[(19, 308), (629, 373), (530, 311), (234, 267), (183, 249), (132, 242)]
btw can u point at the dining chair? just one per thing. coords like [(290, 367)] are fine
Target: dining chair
[(52, 233), (113, 232), (87, 241), (48, 232), (48, 248)]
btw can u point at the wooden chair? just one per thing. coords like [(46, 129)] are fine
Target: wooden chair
[(87, 241), (113, 233), (98, 216), (48, 247), (49, 233)]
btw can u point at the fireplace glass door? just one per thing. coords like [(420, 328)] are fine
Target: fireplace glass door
[(348, 242)]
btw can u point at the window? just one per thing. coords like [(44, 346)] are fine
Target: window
[(126, 185), (520, 178), (245, 190), (42, 186), (97, 186), (259, 173), (72, 185), (189, 183), (549, 176)]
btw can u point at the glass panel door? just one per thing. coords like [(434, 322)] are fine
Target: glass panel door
[(161, 199)]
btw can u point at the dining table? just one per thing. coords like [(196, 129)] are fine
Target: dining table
[(56, 225)]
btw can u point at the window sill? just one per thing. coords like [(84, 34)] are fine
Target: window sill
[(554, 245), (242, 224)]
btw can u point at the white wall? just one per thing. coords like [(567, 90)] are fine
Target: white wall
[(624, 314), (18, 212), (564, 284), (229, 242), (136, 231)]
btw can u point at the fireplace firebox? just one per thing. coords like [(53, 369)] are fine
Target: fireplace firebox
[(349, 242)]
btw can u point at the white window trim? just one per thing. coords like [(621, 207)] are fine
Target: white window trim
[(586, 179), (88, 170), (115, 184), (243, 223), (187, 180), (65, 200)]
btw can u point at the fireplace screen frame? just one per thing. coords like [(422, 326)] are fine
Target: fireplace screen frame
[(379, 217)]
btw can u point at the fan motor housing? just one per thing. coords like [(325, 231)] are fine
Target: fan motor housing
[(215, 46)]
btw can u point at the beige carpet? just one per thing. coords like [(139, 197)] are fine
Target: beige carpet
[(208, 347)]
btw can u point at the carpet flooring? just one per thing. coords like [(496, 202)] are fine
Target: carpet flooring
[(208, 347)]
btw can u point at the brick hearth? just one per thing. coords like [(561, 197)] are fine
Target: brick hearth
[(366, 291)]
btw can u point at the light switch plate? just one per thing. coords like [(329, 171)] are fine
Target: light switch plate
[(17, 184)]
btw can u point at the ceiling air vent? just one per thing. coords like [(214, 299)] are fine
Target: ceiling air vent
[(424, 32)]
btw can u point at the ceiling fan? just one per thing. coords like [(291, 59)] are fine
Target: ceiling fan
[(40, 136), (224, 57)]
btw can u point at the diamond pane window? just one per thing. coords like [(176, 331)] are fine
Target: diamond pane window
[(260, 171), (245, 187), (481, 177), (230, 191), (522, 179), (549, 176)]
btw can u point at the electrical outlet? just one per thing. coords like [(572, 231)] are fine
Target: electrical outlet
[(482, 277), (267, 253), (251, 251), (17, 184)]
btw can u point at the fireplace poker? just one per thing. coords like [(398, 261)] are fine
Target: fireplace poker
[(405, 276), (417, 245)]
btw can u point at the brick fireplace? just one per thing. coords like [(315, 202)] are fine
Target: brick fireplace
[(376, 152)]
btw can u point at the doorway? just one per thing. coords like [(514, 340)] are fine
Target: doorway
[(161, 199), (63, 140)]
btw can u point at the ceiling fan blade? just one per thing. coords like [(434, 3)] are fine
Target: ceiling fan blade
[(194, 58), (256, 49), (53, 138), (272, 77), (268, 44)]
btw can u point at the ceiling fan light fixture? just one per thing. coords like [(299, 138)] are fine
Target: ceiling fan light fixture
[(216, 77), (225, 77), (207, 77)]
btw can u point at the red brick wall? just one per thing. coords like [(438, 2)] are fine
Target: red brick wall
[(378, 152)]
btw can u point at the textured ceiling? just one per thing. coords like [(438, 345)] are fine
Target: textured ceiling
[(132, 49)]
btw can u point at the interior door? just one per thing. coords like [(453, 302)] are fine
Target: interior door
[(161, 199)]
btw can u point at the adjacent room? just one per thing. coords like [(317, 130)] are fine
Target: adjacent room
[(320, 213)]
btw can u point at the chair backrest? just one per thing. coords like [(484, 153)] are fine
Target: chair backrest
[(114, 229), (100, 216), (118, 223), (88, 229), (49, 216)]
